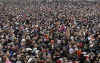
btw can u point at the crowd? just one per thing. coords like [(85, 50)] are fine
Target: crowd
[(54, 32)]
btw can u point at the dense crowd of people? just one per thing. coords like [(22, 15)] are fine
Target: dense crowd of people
[(54, 32)]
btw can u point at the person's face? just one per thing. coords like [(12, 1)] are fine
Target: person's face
[(23, 43)]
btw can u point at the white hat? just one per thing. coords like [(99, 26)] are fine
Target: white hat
[(23, 40), (28, 49)]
